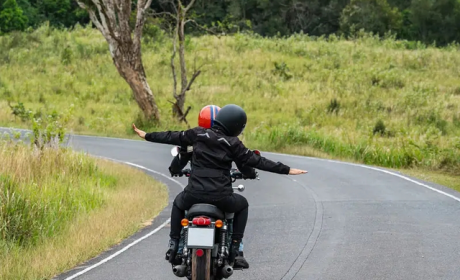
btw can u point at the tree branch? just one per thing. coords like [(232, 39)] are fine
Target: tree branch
[(109, 12), (182, 115), (124, 12), (93, 17), (186, 113), (189, 6), (196, 74), (140, 18), (164, 13), (102, 17), (173, 68), (199, 26), (147, 5)]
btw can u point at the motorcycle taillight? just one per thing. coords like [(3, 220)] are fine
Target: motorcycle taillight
[(201, 221)]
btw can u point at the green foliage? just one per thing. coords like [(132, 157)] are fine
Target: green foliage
[(375, 16), (434, 21), (66, 56), (282, 70), (47, 129), (334, 106), (426, 21), (379, 128), (12, 17), (56, 11), (20, 111)]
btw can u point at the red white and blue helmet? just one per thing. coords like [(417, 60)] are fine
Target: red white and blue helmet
[(207, 116)]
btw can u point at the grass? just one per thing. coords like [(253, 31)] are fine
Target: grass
[(378, 101), (59, 208), (430, 176), (449, 180)]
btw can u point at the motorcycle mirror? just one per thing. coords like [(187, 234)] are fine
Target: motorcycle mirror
[(175, 151)]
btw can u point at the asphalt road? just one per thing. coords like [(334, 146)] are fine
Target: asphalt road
[(339, 221)]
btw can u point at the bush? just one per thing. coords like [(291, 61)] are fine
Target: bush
[(282, 70), (12, 17), (47, 129), (379, 128), (334, 106)]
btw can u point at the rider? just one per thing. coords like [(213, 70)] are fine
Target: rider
[(214, 150), (206, 120)]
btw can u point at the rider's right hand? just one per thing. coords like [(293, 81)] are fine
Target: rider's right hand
[(294, 171)]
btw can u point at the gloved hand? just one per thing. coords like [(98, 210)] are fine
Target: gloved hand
[(174, 174), (253, 175), (186, 172)]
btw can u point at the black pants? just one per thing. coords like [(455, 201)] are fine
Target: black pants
[(234, 203)]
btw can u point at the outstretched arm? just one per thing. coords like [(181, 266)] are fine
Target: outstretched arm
[(180, 138), (245, 157)]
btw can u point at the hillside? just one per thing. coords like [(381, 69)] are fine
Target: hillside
[(382, 102)]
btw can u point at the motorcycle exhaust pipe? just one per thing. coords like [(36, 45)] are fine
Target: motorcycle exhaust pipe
[(180, 270), (227, 271)]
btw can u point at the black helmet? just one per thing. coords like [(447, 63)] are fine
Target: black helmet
[(232, 118)]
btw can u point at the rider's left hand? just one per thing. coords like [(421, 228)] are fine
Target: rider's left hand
[(139, 132), (252, 177)]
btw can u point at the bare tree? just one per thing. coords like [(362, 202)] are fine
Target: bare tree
[(178, 31), (111, 18)]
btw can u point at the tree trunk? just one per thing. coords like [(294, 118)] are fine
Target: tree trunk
[(130, 67), (179, 105), (142, 92), (111, 18), (179, 34)]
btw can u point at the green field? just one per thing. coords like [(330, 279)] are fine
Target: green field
[(378, 101)]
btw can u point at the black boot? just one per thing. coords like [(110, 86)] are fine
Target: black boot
[(234, 249), (172, 251), (240, 261)]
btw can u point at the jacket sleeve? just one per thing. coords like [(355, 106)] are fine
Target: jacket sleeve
[(180, 138), (179, 162), (247, 171), (245, 157)]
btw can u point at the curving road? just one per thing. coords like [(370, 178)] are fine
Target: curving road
[(340, 221)]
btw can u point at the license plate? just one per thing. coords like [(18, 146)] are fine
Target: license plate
[(200, 238)]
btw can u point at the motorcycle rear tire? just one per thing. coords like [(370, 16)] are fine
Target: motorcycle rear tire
[(201, 266)]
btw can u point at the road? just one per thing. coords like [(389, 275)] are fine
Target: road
[(339, 221)]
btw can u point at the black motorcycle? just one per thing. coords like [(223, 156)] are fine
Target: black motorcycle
[(206, 238)]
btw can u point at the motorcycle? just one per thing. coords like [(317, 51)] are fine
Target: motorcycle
[(206, 238)]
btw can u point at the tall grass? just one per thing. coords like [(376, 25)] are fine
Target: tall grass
[(59, 208), (42, 191), (381, 101)]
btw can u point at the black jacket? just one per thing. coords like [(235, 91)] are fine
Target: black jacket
[(180, 161), (213, 154)]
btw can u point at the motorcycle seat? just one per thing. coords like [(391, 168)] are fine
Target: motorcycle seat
[(205, 209)]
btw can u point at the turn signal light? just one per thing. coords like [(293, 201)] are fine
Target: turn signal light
[(219, 224), (184, 222)]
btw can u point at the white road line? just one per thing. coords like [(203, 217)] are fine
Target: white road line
[(118, 252), (376, 169), (136, 241)]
